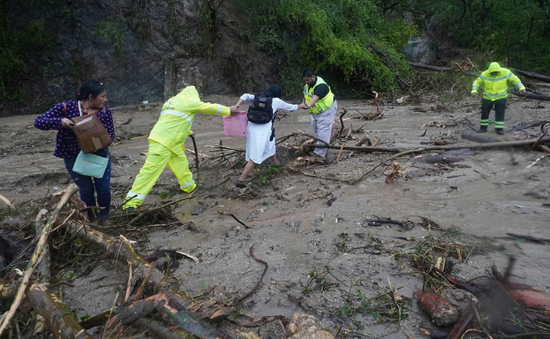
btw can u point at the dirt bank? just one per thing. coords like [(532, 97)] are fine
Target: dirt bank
[(324, 257)]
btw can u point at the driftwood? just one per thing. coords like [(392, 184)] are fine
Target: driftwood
[(196, 158), (431, 68), (4, 199), (35, 256), (537, 76), (532, 95), (125, 254), (57, 314), (433, 148)]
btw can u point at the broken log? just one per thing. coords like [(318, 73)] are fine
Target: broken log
[(431, 68), (36, 254), (532, 95), (58, 316), (537, 76), (126, 254), (434, 147)]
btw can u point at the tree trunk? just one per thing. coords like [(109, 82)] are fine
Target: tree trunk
[(58, 316), (175, 300), (434, 148), (431, 68), (537, 76)]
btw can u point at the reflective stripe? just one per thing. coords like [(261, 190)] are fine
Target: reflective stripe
[(499, 123), (188, 184), (179, 114), (519, 85), (501, 94), (484, 122), (219, 110), (475, 88), (135, 196), (493, 79)]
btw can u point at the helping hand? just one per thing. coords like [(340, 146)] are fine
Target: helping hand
[(302, 106), (523, 92), (234, 110), (67, 123), (474, 94)]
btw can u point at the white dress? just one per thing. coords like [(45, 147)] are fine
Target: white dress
[(258, 145)]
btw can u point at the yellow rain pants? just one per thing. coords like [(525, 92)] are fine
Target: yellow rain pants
[(166, 143), (158, 158)]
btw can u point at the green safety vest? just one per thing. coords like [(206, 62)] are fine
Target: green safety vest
[(321, 105), (496, 87)]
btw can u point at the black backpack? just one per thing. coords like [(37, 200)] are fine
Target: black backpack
[(260, 112)]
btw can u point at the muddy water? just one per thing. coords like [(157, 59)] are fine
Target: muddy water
[(486, 194)]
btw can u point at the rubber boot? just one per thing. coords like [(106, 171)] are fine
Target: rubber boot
[(499, 131), (482, 129)]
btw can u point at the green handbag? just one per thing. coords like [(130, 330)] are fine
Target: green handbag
[(91, 165)]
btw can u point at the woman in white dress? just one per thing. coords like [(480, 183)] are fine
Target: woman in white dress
[(260, 143)]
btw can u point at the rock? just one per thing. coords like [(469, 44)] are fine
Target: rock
[(304, 326), (440, 310), (459, 298)]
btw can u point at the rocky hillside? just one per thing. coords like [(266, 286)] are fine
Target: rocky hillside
[(143, 50)]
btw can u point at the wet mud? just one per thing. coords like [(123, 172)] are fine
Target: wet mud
[(325, 258)]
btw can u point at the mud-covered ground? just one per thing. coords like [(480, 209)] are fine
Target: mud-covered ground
[(324, 258)]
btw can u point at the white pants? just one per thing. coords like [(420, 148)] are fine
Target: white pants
[(321, 124)]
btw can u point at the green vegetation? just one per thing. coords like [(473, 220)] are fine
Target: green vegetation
[(352, 40), (23, 53), (111, 32), (515, 32)]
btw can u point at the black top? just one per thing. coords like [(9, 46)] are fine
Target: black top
[(321, 90)]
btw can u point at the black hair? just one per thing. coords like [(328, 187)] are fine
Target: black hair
[(274, 91), (308, 73), (92, 87)]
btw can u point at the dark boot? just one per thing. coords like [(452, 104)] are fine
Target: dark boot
[(499, 131), (482, 129)]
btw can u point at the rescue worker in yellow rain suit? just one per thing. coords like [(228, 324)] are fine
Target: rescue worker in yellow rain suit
[(166, 144), (495, 80)]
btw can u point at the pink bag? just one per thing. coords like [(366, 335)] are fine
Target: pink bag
[(235, 126)]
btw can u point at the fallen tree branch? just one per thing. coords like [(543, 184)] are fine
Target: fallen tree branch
[(234, 217), (312, 137), (4, 199), (196, 157), (239, 300), (342, 122), (431, 68), (537, 76), (36, 254), (356, 180), (144, 213), (125, 254), (58, 316), (435, 147)]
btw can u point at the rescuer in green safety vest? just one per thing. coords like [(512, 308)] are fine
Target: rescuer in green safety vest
[(322, 106), (495, 82)]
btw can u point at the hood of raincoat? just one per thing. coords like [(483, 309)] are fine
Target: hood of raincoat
[(494, 67), (190, 92)]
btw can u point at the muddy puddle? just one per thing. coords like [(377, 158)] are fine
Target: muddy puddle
[(323, 254)]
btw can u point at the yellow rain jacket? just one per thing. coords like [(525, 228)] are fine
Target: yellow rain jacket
[(166, 144), (496, 87), (176, 118)]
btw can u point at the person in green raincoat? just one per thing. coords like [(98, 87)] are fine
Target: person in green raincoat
[(166, 144)]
